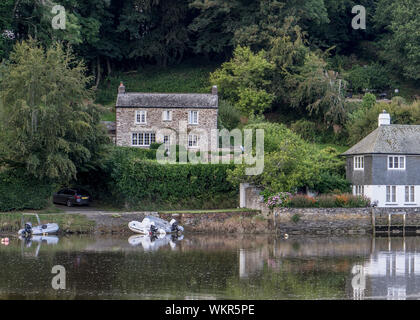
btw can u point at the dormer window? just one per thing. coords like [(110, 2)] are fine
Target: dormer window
[(396, 162), (359, 163)]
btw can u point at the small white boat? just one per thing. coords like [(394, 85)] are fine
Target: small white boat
[(153, 225), (41, 229)]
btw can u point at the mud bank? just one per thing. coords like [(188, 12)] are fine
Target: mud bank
[(309, 221)]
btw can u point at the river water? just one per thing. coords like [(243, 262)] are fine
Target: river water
[(211, 267)]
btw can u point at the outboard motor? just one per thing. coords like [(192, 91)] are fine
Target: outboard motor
[(28, 229), (174, 225), (153, 230)]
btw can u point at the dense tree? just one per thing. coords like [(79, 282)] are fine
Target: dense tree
[(245, 79), (46, 125), (400, 20)]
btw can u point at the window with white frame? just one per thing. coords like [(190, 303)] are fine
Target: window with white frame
[(391, 194), (192, 117), (359, 190), (359, 163), (167, 141), (192, 141), (141, 117), (410, 194), (396, 162), (143, 139), (167, 115)]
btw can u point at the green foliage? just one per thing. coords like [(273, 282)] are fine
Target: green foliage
[(139, 183), (228, 116), (295, 218), (244, 79), (290, 163), (302, 201), (318, 90), (326, 201), (369, 100), (306, 129), (18, 191), (187, 77), (46, 126), (373, 77), (362, 121), (400, 44)]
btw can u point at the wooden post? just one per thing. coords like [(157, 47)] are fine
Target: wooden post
[(389, 224), (404, 225), (372, 211)]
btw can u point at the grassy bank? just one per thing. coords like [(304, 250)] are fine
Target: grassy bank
[(187, 77), (73, 223)]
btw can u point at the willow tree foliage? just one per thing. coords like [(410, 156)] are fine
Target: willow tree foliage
[(47, 125)]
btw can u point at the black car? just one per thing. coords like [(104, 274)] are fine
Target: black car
[(72, 197)]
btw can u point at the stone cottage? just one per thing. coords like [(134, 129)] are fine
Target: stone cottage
[(169, 118), (385, 166)]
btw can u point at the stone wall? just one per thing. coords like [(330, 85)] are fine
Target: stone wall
[(326, 221), (125, 124)]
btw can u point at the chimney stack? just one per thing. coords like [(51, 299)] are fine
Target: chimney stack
[(214, 90), (121, 88), (384, 119)]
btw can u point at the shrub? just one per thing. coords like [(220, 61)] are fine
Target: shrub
[(228, 117), (373, 76), (327, 201), (306, 129), (145, 183), (19, 192), (279, 200), (302, 201), (358, 202)]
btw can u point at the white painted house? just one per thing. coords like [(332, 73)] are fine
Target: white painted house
[(385, 166)]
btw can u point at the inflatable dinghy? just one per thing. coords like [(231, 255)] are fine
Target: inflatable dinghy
[(41, 229), (153, 225)]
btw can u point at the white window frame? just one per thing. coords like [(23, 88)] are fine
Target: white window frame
[(410, 194), (140, 113), (193, 140), (359, 163), (167, 141), (138, 139), (391, 194), (394, 161), (166, 113), (191, 117), (359, 190)]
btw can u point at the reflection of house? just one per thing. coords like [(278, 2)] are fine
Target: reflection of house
[(385, 166), (146, 118), (395, 275), (392, 274)]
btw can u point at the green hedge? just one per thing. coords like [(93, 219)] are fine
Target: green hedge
[(140, 183), (18, 192)]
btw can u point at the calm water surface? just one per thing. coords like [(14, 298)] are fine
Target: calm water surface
[(213, 267)]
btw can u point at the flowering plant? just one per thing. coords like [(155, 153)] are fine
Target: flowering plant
[(278, 200)]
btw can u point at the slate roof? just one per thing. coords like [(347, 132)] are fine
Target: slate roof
[(167, 100), (389, 139)]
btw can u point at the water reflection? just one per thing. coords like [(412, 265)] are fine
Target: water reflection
[(26, 242), (392, 271), (152, 243), (215, 266)]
